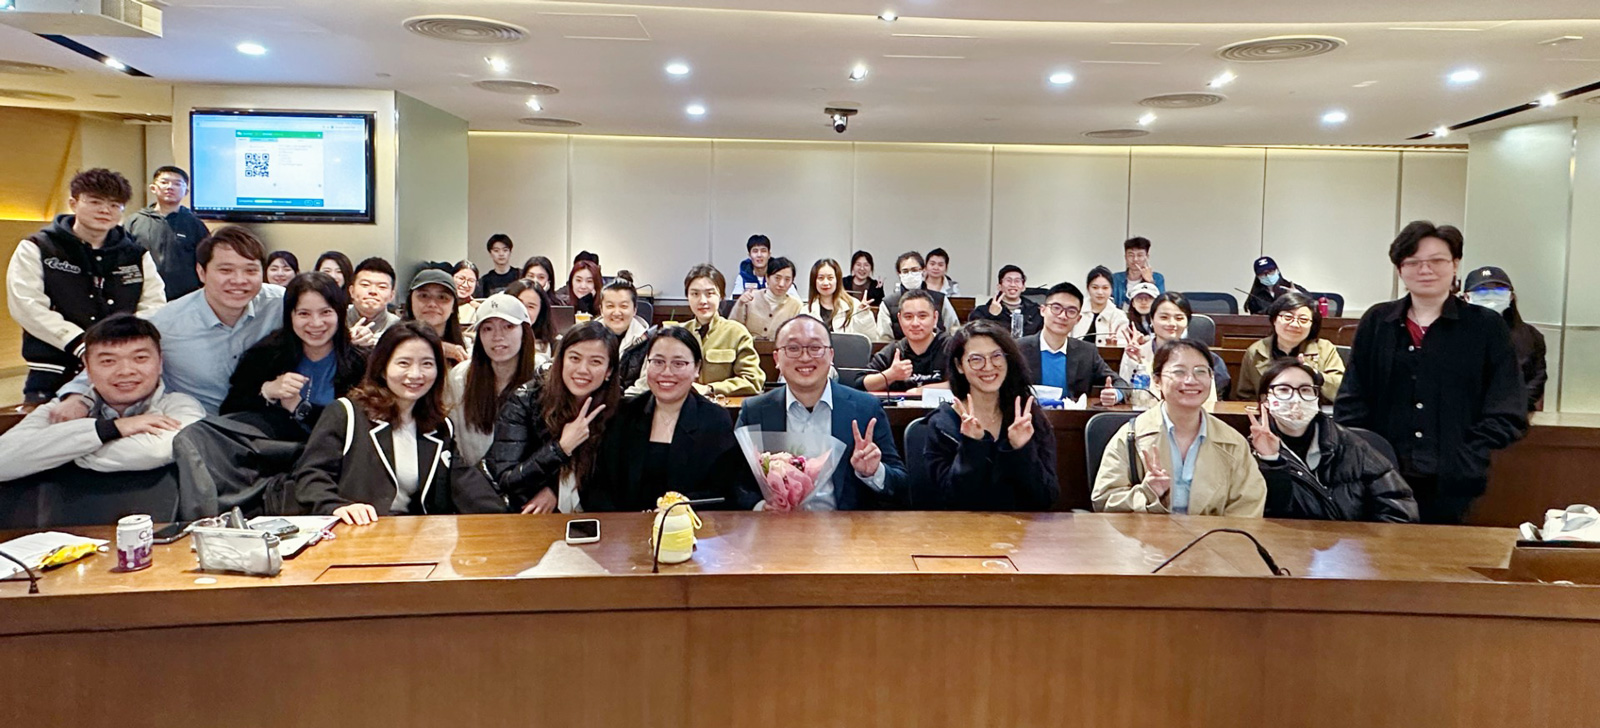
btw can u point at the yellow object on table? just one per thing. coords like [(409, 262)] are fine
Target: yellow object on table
[(676, 530)]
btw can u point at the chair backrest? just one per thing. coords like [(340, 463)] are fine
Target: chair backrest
[(645, 310), (1097, 433), (851, 351), (1344, 354), (916, 465), (1212, 302), (1335, 302), (1378, 443), (1203, 328), (726, 307)]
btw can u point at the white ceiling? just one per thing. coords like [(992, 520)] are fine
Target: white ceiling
[(766, 68)]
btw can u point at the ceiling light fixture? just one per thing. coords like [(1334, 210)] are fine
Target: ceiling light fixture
[(678, 69), (1061, 78), (695, 110), (533, 103), (251, 49), (1335, 117), (1548, 100), (1465, 75), (115, 64), (859, 72), (1222, 79), (888, 16), (1148, 118), (498, 64), (1442, 132)]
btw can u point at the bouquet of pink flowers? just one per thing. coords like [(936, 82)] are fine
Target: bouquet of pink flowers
[(794, 472)]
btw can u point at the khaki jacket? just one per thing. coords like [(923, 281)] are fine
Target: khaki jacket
[(1227, 481), (762, 316), (1321, 353), (732, 368)]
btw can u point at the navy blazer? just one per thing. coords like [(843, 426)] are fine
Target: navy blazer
[(1087, 371), (849, 405)]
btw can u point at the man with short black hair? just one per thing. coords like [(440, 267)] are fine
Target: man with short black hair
[(371, 291), (1008, 308), (124, 446), (753, 270), (919, 359), (494, 281), (909, 268), (78, 270), (1057, 359), (170, 231), (1136, 254), (936, 273)]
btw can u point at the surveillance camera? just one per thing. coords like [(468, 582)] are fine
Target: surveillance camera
[(839, 117)]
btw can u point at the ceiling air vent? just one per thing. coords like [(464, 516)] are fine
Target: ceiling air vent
[(1117, 133), (25, 95), (1281, 48), (1182, 100), (549, 123), (465, 29), (516, 88), (23, 68)]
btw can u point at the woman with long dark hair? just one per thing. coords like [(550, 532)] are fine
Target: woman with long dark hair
[(282, 266), (336, 264), (537, 302), (541, 271), (831, 304), (388, 448), (304, 365), (433, 302), (546, 439), (582, 289), (466, 278), (1491, 288), (476, 389), (1101, 319), (991, 449)]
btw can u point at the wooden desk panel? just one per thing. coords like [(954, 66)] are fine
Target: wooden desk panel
[(1340, 331)]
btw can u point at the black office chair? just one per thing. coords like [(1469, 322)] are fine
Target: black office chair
[(1212, 302), (1378, 443), (1097, 434), (726, 307), (72, 496), (1335, 302), (1202, 328), (1344, 354), (1035, 294), (644, 310), (916, 465), (851, 351)]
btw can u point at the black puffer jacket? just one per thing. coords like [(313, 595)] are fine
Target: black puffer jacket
[(1352, 482), (525, 457)]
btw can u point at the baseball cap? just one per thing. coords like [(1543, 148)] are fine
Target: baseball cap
[(501, 306), (432, 276), (1487, 275), (1264, 264), (1143, 288)]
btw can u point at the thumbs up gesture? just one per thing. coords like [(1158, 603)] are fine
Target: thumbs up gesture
[(899, 370), (1108, 396)]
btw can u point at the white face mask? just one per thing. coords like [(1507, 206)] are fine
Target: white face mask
[(1292, 416), (911, 280), (1497, 301)]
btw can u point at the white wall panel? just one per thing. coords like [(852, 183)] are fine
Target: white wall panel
[(1580, 385), (1201, 209), (1433, 187), (518, 186), (1328, 221), (925, 196), (643, 205), (1059, 211), (797, 194), (1518, 207)]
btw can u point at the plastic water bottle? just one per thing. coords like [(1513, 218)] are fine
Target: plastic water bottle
[(1016, 323), (1140, 380)]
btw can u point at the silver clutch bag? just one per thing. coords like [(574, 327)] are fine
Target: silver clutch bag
[(240, 550)]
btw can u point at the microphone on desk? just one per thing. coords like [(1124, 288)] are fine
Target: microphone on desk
[(1256, 296), (1260, 550), (33, 579), (655, 557)]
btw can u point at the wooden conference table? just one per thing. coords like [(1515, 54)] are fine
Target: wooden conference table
[(869, 619)]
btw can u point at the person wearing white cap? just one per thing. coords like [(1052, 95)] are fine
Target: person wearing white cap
[(502, 358), (1141, 305)]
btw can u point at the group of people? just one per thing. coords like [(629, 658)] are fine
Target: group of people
[(280, 391)]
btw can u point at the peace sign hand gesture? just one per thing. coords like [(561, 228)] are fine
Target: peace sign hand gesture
[(865, 457), (576, 432), (1021, 429), (1262, 439), (970, 426), (1156, 478)]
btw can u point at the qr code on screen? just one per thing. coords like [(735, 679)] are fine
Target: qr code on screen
[(257, 164)]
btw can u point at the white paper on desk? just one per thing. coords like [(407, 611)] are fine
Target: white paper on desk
[(32, 549), (564, 559), (933, 396), (308, 525)]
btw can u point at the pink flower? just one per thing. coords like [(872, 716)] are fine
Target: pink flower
[(790, 480)]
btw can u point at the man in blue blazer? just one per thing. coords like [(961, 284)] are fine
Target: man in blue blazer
[(875, 477)]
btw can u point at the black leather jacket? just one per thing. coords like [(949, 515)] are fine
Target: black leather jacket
[(1352, 481), (525, 457)]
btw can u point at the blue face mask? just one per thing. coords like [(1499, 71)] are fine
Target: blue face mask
[(1494, 299), (1270, 279)]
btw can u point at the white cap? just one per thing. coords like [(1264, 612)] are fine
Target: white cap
[(501, 306), (1143, 287)]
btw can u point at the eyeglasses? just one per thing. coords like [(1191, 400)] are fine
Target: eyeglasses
[(1287, 392), (980, 362), (1432, 263), (1060, 310), (1200, 374), (794, 351), (678, 366), (1290, 318)]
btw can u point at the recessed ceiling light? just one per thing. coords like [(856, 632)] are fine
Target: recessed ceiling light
[(1335, 117), (1222, 79), (859, 72), (498, 64), (533, 103), (695, 110), (251, 49), (1060, 78), (116, 64), (1465, 75), (1148, 118), (1442, 132), (1548, 100), (678, 69), (1364, 84), (888, 16)]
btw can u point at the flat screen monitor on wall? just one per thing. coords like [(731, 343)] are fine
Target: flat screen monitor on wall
[(289, 166)]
